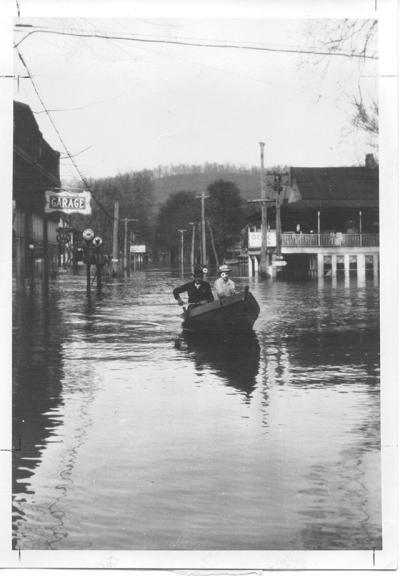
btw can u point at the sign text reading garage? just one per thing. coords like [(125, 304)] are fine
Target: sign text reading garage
[(68, 202)]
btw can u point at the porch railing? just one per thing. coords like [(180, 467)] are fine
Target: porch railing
[(325, 239), (329, 239)]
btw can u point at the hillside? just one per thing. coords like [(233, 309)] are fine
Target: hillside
[(248, 184)]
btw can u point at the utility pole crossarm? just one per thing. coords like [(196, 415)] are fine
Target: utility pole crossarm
[(266, 201)]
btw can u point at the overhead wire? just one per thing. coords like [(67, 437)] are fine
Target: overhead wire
[(199, 44), (70, 156)]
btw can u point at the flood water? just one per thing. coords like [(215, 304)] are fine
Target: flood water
[(133, 438)]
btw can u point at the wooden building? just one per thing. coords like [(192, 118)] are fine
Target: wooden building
[(329, 222), (36, 168)]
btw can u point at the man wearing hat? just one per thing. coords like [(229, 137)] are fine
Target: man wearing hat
[(198, 290), (223, 285)]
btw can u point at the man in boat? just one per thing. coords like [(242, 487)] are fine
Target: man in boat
[(198, 290), (223, 285)]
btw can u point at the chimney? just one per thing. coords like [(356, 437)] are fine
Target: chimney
[(370, 161)]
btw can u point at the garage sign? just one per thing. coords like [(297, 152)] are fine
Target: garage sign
[(68, 202)]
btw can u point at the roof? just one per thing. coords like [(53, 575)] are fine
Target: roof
[(336, 187), (36, 163)]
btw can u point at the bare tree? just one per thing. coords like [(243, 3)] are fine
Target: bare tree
[(358, 39)]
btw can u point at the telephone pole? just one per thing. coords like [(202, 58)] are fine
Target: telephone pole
[(278, 190), (126, 263), (203, 230), (263, 253), (181, 232), (115, 239), (193, 225)]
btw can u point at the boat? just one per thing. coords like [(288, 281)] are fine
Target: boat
[(236, 313)]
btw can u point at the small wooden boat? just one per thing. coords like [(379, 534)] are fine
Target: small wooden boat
[(235, 313)]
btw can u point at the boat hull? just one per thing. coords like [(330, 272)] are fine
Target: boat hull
[(235, 313)]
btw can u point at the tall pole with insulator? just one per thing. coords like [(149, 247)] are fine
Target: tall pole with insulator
[(263, 254), (193, 224), (115, 239), (278, 190), (203, 230)]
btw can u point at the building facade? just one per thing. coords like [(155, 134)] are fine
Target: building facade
[(329, 223), (36, 168)]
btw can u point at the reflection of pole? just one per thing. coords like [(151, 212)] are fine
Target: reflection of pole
[(181, 232), (115, 239), (192, 250), (263, 254)]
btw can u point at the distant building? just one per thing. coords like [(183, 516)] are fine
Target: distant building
[(36, 168), (329, 221)]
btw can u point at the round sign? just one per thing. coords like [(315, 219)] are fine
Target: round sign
[(205, 270), (64, 238), (97, 241), (88, 234)]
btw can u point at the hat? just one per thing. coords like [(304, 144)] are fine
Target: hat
[(198, 271), (224, 268)]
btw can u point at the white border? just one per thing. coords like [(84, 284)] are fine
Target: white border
[(389, 171)]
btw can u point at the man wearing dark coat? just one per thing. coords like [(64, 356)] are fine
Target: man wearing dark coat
[(198, 290)]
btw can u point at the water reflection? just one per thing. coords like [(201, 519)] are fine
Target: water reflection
[(37, 374), (236, 360), (264, 442)]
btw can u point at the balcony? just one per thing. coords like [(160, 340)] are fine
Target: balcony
[(330, 239), (323, 240)]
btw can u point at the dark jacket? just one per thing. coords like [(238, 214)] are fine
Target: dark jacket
[(203, 292)]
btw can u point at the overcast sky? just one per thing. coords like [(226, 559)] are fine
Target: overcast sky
[(138, 105)]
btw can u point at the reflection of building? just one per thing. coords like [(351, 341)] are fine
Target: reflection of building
[(329, 221), (37, 388), (36, 168)]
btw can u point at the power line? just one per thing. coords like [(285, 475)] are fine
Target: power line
[(197, 44), (70, 156)]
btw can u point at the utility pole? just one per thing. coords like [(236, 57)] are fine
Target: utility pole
[(181, 232), (203, 230), (126, 260), (278, 190), (115, 239), (193, 225), (213, 244), (263, 254)]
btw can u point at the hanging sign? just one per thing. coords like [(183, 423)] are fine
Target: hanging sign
[(137, 249), (68, 202)]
